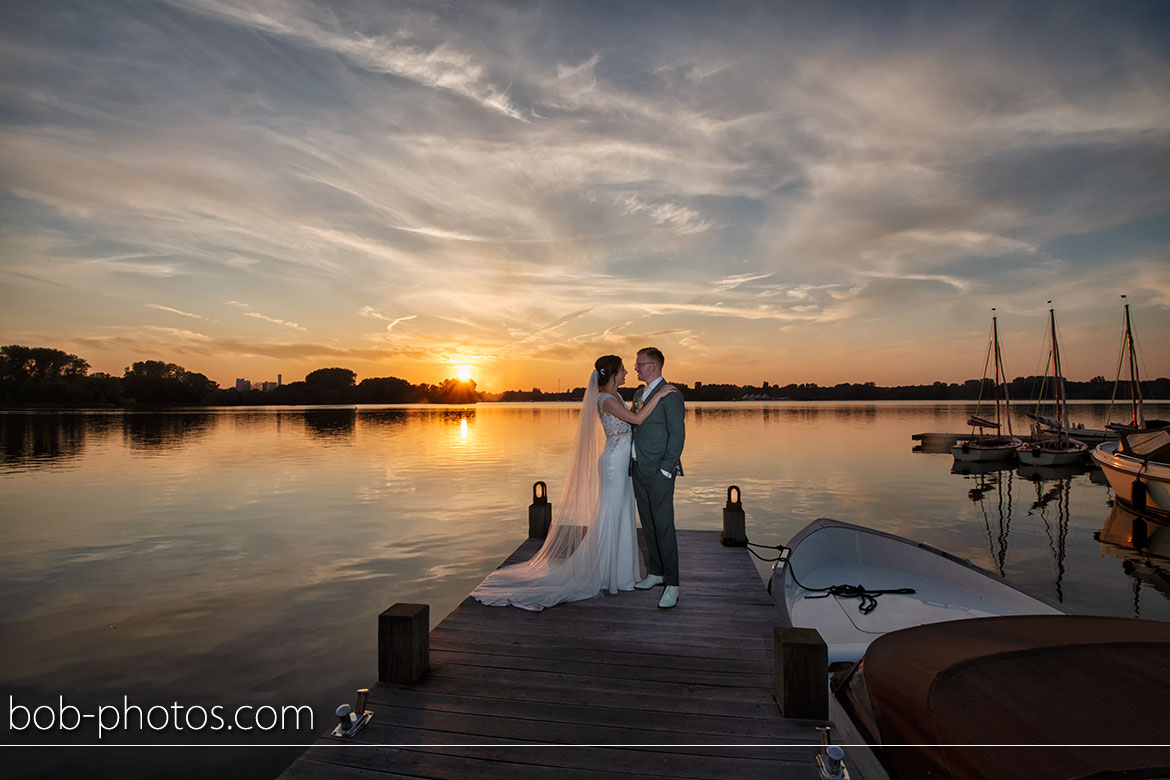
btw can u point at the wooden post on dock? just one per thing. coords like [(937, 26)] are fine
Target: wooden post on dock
[(539, 512), (404, 633), (802, 673), (734, 520)]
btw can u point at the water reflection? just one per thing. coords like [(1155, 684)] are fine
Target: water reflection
[(1142, 544), (160, 433), (855, 414), (37, 439), (1035, 473), (385, 417), (1055, 496), (333, 425), (992, 494)]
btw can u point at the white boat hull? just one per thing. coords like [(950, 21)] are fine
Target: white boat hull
[(828, 552), (1123, 470), (973, 451), (1049, 454)]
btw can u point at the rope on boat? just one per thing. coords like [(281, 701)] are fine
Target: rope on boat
[(868, 596), (779, 548)]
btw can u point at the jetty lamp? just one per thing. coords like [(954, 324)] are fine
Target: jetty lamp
[(539, 512), (734, 522), (351, 719)]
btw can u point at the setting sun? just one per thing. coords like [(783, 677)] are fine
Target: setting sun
[(463, 372)]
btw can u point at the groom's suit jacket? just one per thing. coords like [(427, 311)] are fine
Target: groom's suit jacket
[(658, 441)]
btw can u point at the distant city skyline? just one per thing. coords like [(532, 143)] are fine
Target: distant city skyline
[(766, 191)]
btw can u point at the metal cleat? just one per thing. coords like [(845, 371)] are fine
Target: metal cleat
[(351, 719), (831, 760)]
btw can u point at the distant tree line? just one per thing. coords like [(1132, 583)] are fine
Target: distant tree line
[(46, 377), (340, 386), (1020, 389), (42, 376)]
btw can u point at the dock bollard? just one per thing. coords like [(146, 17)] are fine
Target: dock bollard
[(539, 512), (802, 673), (734, 523), (350, 720), (404, 643)]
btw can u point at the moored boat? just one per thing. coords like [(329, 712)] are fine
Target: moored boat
[(1046, 697), (877, 568), (1138, 469), (1138, 420), (986, 448), (997, 446), (1059, 449)]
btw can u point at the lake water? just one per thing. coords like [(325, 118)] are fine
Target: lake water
[(240, 557)]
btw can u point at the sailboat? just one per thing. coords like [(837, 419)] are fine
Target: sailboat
[(1061, 449), (1138, 421), (994, 446)]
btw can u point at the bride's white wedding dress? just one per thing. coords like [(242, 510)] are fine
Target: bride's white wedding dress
[(616, 528), (592, 544)]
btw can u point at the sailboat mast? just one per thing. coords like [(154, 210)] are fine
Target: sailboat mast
[(1058, 377), (1000, 382), (1134, 388)]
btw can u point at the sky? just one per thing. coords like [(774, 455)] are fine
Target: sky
[(785, 192)]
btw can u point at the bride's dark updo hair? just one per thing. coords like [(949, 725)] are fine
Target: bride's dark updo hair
[(607, 366)]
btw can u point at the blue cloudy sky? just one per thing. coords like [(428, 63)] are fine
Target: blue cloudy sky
[(773, 191)]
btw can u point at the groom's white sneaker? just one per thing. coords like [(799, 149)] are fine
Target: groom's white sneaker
[(650, 581), (669, 597)]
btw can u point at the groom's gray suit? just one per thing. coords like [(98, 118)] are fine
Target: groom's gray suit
[(658, 445)]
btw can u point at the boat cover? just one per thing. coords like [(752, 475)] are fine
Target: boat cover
[(1148, 445), (1071, 696)]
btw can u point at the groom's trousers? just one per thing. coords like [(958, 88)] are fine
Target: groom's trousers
[(655, 497)]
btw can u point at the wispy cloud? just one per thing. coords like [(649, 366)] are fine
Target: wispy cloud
[(731, 282), (160, 270), (370, 311), (441, 66), (160, 307), (180, 333), (680, 219), (273, 320)]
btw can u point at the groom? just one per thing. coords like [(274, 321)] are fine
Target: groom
[(658, 445)]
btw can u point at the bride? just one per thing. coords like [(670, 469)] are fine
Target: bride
[(592, 544)]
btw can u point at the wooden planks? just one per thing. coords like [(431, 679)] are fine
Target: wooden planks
[(605, 688)]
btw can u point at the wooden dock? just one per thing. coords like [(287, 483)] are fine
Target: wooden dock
[(605, 688)]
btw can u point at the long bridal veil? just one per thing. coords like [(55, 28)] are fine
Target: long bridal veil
[(567, 567)]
